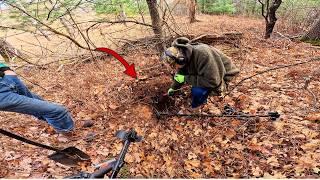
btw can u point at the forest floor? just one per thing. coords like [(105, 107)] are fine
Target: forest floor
[(181, 147)]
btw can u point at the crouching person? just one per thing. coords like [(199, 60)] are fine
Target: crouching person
[(16, 97), (207, 69)]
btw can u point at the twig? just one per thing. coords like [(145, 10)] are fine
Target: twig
[(31, 82), (19, 29), (126, 21), (49, 27), (22, 58), (286, 37), (50, 11), (140, 11), (78, 4), (262, 8), (271, 69), (83, 36), (33, 44), (305, 87), (85, 39)]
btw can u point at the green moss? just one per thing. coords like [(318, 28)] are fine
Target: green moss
[(124, 172), (315, 42)]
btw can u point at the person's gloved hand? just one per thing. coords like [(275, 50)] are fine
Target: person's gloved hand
[(179, 78), (171, 92)]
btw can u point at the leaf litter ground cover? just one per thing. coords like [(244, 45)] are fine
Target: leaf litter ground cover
[(181, 147)]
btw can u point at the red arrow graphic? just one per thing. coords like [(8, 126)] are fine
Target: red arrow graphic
[(130, 70)]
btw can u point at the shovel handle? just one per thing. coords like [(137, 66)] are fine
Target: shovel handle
[(20, 138)]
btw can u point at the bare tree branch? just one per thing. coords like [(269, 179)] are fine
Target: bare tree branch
[(49, 27), (262, 9), (272, 69), (19, 29), (117, 22), (71, 9), (50, 11)]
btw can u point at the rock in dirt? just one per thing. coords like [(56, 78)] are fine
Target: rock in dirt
[(62, 139), (87, 123), (90, 136)]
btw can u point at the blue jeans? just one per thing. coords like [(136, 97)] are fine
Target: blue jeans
[(15, 97), (199, 96)]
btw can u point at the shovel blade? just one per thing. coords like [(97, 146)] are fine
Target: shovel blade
[(69, 156)]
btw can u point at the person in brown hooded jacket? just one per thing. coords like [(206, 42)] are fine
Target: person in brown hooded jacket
[(205, 68)]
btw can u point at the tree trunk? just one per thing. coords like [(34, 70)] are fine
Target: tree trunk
[(314, 32), (192, 11), (270, 16), (122, 15), (156, 23)]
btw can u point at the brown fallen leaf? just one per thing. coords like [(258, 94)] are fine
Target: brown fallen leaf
[(313, 117), (230, 133), (208, 167), (191, 156), (273, 161), (316, 170), (197, 131), (174, 136), (3, 169), (195, 175), (113, 107), (217, 165), (81, 115), (153, 135), (193, 163), (312, 145), (256, 171), (235, 123), (277, 175), (129, 158)]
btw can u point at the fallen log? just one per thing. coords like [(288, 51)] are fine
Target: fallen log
[(150, 42), (214, 38)]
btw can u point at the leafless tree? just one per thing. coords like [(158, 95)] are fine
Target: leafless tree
[(156, 23), (268, 11), (192, 11)]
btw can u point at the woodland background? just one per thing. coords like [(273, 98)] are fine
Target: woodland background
[(50, 44)]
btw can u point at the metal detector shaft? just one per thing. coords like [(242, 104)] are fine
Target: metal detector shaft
[(129, 137), (272, 115), (120, 160)]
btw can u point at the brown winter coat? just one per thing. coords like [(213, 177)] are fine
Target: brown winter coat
[(205, 67)]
